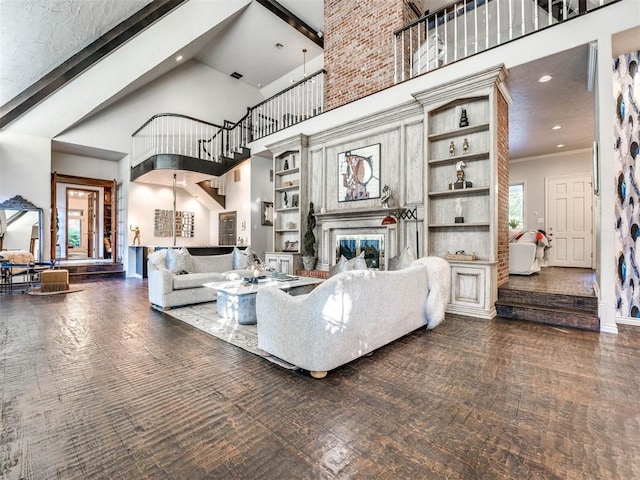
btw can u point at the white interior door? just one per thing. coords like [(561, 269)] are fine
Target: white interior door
[(569, 206)]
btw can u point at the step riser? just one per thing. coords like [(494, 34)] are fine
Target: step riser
[(563, 318), (585, 304), (82, 277)]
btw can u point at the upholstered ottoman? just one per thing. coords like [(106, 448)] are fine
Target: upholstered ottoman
[(54, 280)]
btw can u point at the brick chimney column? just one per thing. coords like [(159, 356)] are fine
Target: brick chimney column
[(358, 46)]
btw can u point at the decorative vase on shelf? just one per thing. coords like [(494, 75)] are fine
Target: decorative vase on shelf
[(464, 120), (286, 164)]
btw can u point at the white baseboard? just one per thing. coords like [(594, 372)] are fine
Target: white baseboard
[(628, 321)]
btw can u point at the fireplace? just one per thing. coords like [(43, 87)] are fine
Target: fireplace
[(372, 246), (350, 232)]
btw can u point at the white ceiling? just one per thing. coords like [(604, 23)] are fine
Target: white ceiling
[(56, 29)]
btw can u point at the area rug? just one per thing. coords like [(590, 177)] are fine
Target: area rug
[(72, 289), (203, 316)]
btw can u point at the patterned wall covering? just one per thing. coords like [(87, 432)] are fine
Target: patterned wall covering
[(626, 91)]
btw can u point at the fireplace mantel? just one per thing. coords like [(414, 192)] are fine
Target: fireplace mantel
[(358, 213)]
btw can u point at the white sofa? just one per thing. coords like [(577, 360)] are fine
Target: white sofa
[(167, 289), (351, 314)]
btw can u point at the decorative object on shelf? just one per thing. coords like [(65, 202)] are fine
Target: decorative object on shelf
[(461, 255), (286, 164), (136, 234), (285, 199), (291, 225), (459, 218), (452, 149), (267, 214), (386, 196), (309, 258), (359, 174), (294, 200), (464, 120), (465, 146), (291, 246), (460, 183)]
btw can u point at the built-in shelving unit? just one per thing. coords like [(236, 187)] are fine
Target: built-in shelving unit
[(449, 144), (289, 202), (480, 142)]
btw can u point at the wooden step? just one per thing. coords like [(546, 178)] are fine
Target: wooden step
[(586, 303), (552, 315), (94, 271)]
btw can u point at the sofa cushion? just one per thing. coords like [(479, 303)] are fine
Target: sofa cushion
[(179, 261), (212, 263), (242, 258), (401, 261), (194, 280)]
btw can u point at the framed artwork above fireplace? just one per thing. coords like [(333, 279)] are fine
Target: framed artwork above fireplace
[(359, 174)]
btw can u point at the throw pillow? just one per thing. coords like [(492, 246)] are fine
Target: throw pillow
[(401, 261), (179, 261), (159, 259), (340, 266), (242, 259), (357, 263)]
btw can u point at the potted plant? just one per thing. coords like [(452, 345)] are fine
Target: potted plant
[(309, 258)]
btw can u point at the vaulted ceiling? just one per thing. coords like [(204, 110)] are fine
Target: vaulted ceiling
[(37, 35)]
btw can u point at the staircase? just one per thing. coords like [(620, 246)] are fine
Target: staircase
[(560, 309), (82, 272)]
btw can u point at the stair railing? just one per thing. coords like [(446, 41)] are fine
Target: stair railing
[(467, 27)]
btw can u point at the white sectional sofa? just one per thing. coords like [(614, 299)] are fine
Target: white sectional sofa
[(167, 289), (351, 314)]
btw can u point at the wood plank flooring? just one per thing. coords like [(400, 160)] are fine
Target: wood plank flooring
[(96, 385)]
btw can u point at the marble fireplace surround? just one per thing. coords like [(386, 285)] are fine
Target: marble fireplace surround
[(360, 221)]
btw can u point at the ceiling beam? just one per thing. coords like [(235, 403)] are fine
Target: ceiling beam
[(294, 21), (85, 58)]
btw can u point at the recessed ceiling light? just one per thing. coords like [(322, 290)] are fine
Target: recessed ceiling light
[(179, 58), (556, 127), (560, 145), (545, 78)]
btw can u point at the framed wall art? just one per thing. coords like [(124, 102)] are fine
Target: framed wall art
[(359, 174)]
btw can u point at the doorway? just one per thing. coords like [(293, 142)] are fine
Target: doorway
[(83, 226), (81, 223), (227, 228)]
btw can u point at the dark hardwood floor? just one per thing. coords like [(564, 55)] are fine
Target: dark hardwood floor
[(96, 385)]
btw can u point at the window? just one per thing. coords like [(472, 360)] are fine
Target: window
[(516, 205)]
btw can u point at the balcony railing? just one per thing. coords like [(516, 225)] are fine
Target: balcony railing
[(299, 102), (467, 27), (173, 134)]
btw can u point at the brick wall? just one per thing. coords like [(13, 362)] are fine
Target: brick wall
[(503, 188), (358, 46)]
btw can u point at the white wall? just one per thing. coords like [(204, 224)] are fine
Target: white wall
[(533, 172), (192, 89), (25, 169), (261, 191), (145, 198), (239, 200), (82, 166)]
